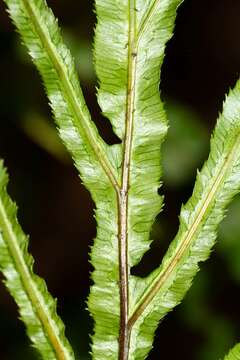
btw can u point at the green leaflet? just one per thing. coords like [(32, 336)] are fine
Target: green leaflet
[(215, 187), (234, 354), (130, 39), (97, 163), (41, 35), (37, 308), (129, 96)]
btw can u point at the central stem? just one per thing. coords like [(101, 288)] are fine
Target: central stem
[(124, 335)]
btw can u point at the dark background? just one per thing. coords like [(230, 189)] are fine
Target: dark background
[(202, 62)]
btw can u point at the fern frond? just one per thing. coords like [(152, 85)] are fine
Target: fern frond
[(40, 33), (130, 40), (37, 307), (124, 179), (216, 185), (234, 353), (97, 163)]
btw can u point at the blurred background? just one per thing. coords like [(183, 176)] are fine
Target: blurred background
[(202, 62)]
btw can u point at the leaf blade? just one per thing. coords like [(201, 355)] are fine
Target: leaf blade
[(216, 185), (103, 184), (128, 70), (41, 35), (234, 353), (37, 307)]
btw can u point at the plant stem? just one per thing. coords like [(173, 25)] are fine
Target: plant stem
[(123, 196)]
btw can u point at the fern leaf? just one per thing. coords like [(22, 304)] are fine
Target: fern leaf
[(37, 308), (97, 163), (40, 33), (124, 179), (234, 353), (130, 39), (216, 185)]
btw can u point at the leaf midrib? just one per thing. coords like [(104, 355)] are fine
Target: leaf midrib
[(134, 42), (81, 122), (124, 335), (188, 238)]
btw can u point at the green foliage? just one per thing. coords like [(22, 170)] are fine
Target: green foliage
[(234, 354), (216, 184), (37, 308), (123, 179)]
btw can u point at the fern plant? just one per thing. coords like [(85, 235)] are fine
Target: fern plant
[(123, 179)]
